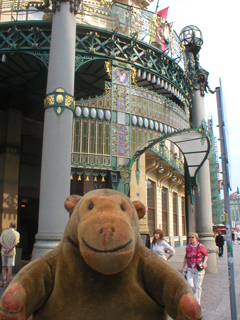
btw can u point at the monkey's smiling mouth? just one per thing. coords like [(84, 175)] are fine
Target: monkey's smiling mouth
[(106, 251)]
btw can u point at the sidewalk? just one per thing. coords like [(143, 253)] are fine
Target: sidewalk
[(215, 300)]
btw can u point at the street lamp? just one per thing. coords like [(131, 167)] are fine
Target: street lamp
[(191, 37)]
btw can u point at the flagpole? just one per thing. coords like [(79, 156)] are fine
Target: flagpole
[(226, 184), (157, 6)]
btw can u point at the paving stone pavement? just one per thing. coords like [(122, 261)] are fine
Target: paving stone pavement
[(215, 300)]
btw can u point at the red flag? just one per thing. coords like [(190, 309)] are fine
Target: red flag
[(163, 13), (159, 28)]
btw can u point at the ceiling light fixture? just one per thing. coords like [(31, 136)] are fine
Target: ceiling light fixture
[(3, 59), (174, 178), (161, 169)]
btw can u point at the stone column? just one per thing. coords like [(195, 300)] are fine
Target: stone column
[(192, 39), (57, 135), (203, 206)]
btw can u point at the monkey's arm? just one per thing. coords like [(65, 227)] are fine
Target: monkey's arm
[(29, 289), (169, 289)]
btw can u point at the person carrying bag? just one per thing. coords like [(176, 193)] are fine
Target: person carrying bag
[(196, 258)]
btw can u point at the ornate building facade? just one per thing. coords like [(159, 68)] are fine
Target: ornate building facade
[(128, 111)]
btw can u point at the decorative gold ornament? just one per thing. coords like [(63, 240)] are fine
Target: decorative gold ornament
[(95, 178), (106, 2), (103, 179), (59, 101), (68, 101), (79, 178), (49, 100), (71, 178), (59, 98), (87, 178), (108, 67), (134, 75)]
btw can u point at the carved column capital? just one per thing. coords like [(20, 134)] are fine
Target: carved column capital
[(74, 5)]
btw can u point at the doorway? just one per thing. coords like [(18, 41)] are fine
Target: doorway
[(27, 224)]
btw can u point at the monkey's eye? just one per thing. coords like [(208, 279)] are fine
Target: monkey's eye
[(122, 207), (90, 207)]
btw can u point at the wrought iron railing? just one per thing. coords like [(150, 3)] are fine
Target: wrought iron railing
[(168, 156), (129, 20)]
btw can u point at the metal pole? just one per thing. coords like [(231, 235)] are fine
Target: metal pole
[(226, 184)]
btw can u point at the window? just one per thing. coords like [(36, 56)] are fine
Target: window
[(91, 142), (184, 232), (175, 214), (151, 206), (165, 211)]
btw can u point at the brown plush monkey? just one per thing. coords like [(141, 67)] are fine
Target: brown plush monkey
[(100, 270)]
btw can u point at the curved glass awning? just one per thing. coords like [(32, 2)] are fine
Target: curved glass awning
[(194, 143), (195, 148)]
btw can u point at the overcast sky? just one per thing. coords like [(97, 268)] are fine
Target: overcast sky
[(219, 22)]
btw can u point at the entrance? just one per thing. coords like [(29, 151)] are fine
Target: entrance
[(27, 224)]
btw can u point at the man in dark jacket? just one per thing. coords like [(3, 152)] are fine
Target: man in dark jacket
[(220, 242)]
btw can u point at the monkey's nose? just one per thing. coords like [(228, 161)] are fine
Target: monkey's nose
[(107, 230)]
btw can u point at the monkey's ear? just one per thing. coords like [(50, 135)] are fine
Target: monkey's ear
[(71, 202), (140, 208)]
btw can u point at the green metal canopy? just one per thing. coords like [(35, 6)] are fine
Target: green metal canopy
[(194, 143), (195, 146)]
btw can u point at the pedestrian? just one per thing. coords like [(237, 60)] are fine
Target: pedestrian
[(233, 237), (160, 246), (219, 242), (196, 258), (8, 240)]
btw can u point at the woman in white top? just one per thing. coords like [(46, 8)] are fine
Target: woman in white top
[(160, 246)]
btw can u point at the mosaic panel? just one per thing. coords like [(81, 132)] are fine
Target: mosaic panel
[(121, 98), (114, 139)]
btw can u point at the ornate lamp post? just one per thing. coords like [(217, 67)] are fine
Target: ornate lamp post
[(57, 135), (191, 38)]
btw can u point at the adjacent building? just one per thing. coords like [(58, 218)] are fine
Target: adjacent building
[(234, 202)]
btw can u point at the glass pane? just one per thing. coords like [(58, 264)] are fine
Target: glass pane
[(107, 139), (151, 206), (84, 138), (165, 211), (99, 146)]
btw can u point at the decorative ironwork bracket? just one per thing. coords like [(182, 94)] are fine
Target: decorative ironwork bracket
[(59, 100)]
